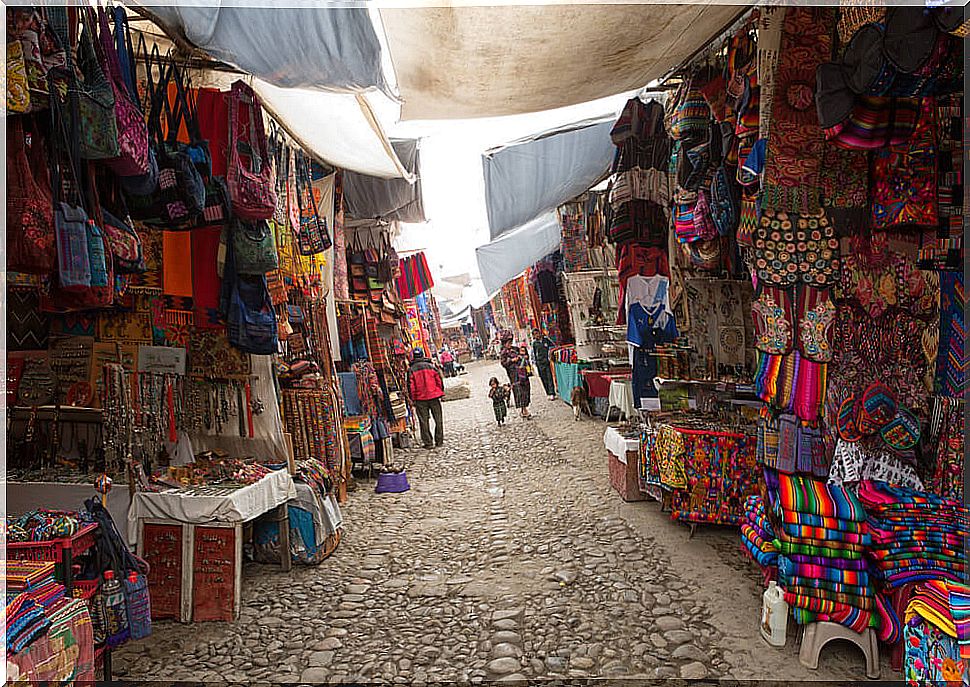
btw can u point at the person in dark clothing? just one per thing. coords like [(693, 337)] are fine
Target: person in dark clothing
[(509, 356), (500, 399), (427, 387), (522, 386), (541, 345)]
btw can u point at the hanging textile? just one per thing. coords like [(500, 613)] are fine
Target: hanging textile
[(951, 359), (795, 141), (415, 277)]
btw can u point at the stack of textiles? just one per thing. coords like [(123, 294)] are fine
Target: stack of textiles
[(916, 536), (821, 543), (936, 637), (757, 534), (35, 580), (26, 621)]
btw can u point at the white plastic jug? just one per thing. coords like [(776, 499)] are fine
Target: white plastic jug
[(774, 616)]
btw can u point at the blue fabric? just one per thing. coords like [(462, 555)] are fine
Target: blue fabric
[(644, 335), (567, 379), (348, 388)]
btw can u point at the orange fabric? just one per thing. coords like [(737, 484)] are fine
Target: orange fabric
[(177, 263)]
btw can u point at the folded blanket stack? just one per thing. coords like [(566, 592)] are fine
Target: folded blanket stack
[(26, 622), (35, 580), (916, 536), (757, 534), (821, 543)]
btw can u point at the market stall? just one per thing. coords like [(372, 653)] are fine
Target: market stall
[(191, 272)]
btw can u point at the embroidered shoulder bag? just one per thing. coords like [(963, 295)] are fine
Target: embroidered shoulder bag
[(96, 101), (132, 129), (250, 176), (30, 241)]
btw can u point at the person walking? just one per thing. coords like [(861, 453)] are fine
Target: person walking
[(427, 387), (447, 361), (522, 386), (500, 399), (541, 345), (509, 356)]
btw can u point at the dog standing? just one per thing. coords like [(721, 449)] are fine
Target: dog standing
[(580, 402)]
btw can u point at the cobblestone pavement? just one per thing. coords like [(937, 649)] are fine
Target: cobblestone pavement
[(510, 558)]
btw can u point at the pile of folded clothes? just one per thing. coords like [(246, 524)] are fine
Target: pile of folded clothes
[(35, 580), (757, 534), (26, 622), (936, 637), (821, 565), (916, 536)]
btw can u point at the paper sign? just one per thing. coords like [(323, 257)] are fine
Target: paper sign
[(162, 360)]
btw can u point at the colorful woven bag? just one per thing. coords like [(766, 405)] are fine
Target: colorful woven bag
[(250, 176)]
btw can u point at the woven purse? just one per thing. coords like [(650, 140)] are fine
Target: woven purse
[(250, 176)]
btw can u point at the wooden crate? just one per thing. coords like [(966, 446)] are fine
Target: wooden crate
[(196, 570), (624, 477)]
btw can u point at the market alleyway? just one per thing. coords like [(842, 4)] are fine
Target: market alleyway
[(510, 556)]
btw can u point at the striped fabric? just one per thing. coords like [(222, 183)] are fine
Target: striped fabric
[(822, 521), (808, 532), (806, 495), (854, 618)]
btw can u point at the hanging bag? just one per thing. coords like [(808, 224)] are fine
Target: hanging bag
[(254, 247), (146, 184), (96, 100), (251, 186), (314, 234), (129, 120), (70, 219), (30, 216)]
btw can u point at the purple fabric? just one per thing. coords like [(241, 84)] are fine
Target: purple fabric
[(841, 563)]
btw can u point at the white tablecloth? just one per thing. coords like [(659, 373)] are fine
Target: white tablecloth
[(621, 396), (617, 445), (237, 505)]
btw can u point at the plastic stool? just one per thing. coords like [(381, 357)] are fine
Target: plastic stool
[(817, 635)]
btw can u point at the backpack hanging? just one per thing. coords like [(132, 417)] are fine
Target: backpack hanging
[(251, 186)]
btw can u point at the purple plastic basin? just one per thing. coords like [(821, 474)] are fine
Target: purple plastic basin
[(392, 482)]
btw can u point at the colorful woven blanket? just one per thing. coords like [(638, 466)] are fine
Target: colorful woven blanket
[(806, 495)]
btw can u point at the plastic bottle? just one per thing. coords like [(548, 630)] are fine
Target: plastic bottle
[(116, 610), (774, 616)]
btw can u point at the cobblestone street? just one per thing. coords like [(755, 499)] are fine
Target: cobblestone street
[(511, 557)]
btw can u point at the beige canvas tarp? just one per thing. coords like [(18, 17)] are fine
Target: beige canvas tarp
[(464, 62)]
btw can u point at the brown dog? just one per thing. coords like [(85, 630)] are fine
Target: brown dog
[(580, 402)]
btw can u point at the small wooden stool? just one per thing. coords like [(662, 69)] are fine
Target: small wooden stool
[(817, 635)]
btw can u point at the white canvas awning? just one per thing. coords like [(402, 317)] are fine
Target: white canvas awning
[(526, 178), (304, 46), (339, 128), (473, 61), (502, 260)]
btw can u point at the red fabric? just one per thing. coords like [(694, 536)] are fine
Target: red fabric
[(598, 382), (426, 383), (207, 285), (213, 116)]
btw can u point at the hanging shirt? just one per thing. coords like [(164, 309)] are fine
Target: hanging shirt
[(645, 329)]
